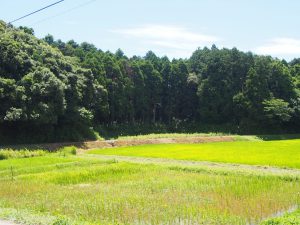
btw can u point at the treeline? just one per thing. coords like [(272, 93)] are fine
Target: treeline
[(53, 90)]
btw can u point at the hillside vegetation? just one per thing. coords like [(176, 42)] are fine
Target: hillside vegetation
[(52, 90)]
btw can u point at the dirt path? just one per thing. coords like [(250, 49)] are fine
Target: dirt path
[(209, 166), (2, 222)]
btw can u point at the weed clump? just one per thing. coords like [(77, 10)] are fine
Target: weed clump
[(68, 150), (11, 154)]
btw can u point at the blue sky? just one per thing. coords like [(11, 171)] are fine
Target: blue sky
[(168, 27)]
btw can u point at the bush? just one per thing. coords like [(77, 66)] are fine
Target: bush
[(3, 155), (68, 150)]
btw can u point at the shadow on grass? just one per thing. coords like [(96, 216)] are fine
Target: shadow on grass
[(52, 147), (275, 137)]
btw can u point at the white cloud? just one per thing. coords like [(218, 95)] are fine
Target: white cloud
[(280, 47), (174, 41)]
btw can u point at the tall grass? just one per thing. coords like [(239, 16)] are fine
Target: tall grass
[(8, 153)]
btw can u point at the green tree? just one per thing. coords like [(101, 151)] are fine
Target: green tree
[(45, 100), (277, 110)]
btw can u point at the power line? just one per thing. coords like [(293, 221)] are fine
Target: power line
[(65, 12), (36, 11)]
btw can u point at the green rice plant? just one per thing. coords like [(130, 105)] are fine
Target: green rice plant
[(107, 192), (91, 190), (264, 153)]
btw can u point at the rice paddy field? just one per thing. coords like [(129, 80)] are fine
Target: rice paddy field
[(272, 153), (255, 182)]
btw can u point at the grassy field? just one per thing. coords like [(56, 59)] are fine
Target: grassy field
[(271, 153), (64, 188)]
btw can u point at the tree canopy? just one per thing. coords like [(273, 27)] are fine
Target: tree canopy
[(69, 87)]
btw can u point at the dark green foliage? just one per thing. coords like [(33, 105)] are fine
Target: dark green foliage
[(55, 91), (43, 93)]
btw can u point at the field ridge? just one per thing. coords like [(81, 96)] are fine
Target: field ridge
[(228, 167), (135, 141)]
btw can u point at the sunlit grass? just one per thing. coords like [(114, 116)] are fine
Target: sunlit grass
[(108, 192), (271, 153)]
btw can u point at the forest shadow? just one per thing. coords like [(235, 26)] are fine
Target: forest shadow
[(51, 147), (278, 137)]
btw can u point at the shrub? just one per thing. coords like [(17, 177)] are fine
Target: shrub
[(68, 150)]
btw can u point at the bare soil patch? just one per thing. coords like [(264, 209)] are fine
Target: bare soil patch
[(121, 143), (182, 140), (2, 222)]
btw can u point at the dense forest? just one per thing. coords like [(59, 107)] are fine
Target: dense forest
[(52, 90)]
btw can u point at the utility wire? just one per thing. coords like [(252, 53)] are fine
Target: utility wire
[(36, 11), (64, 12)]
